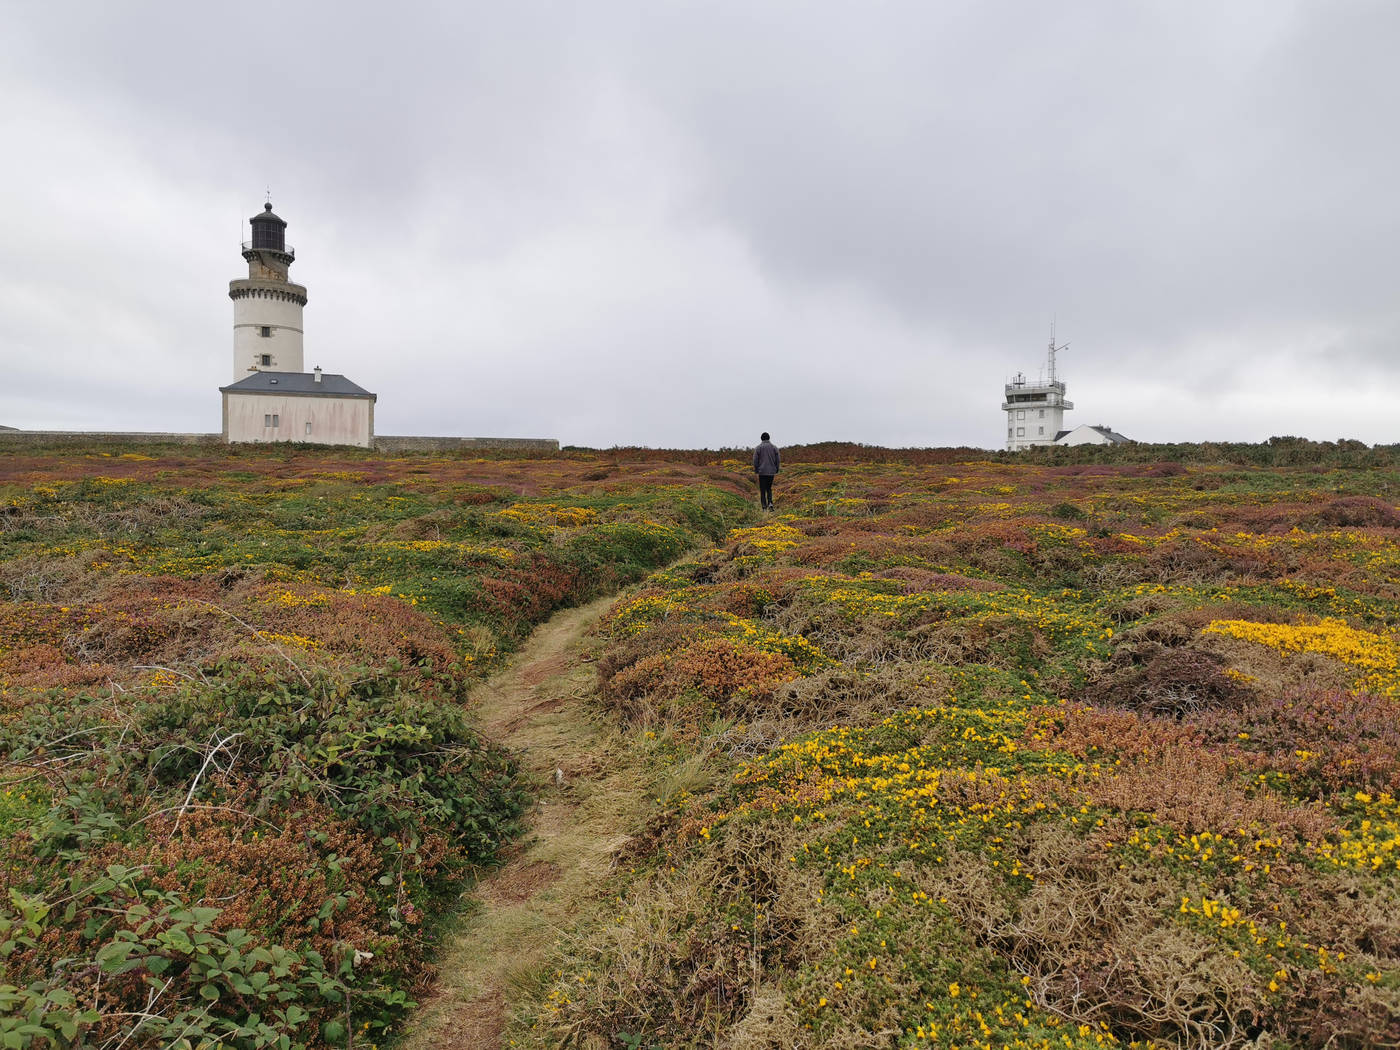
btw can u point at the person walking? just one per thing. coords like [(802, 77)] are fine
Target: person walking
[(765, 465)]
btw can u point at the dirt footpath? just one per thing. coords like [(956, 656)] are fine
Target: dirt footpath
[(537, 707)]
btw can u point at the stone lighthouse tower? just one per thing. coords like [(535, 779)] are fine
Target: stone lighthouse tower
[(267, 306)]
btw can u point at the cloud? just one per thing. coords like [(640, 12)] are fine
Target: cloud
[(680, 223)]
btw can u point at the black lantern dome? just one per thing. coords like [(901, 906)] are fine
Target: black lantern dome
[(269, 231), (269, 243)]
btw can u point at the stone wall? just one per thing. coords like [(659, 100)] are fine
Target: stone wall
[(414, 443), (382, 443), (90, 437)]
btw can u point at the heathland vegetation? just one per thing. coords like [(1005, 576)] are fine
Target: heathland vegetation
[(240, 782), (951, 751)]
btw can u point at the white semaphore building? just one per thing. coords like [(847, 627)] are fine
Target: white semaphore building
[(1035, 412), (273, 397)]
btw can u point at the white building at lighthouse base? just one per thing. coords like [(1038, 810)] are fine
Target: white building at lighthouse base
[(315, 407)]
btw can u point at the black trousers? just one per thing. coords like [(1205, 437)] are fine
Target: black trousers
[(765, 491)]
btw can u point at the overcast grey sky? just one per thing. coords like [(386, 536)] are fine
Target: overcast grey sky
[(678, 224)]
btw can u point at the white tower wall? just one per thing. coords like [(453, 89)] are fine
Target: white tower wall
[(1034, 414), (274, 309)]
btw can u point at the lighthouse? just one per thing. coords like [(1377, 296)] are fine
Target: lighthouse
[(272, 396), (267, 332)]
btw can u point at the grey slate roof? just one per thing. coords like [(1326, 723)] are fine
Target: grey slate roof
[(1110, 433), (297, 384), (1114, 438)]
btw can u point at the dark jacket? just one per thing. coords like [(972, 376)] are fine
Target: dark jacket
[(765, 458)]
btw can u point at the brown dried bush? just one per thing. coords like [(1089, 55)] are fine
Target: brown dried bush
[(1324, 1011), (44, 578), (1007, 642), (835, 696), (915, 580), (1186, 561), (1143, 606), (267, 874), (1195, 789), (147, 517), (143, 632), (1271, 673), (272, 877), (620, 654), (732, 676), (836, 634), (772, 1023), (1343, 911), (1328, 739), (691, 950), (1100, 944), (1165, 667), (1353, 512)]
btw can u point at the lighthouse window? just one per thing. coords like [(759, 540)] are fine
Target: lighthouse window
[(1040, 430), (1020, 432), (1042, 413), (272, 419), (265, 331), (264, 359), (308, 428)]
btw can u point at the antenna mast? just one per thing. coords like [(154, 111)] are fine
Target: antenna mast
[(1053, 351)]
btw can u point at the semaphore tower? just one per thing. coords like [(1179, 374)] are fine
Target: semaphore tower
[(267, 306), (1035, 412)]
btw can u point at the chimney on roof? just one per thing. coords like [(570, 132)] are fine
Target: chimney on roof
[(317, 371)]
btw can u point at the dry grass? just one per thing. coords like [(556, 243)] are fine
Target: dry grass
[(835, 696), (1197, 790), (697, 957), (1098, 944)]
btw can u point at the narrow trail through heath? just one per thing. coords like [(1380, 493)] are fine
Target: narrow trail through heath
[(584, 803)]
